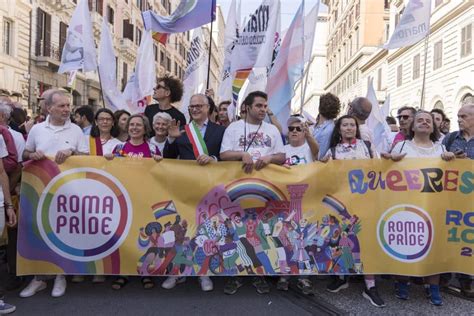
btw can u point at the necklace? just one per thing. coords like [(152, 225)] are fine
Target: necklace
[(246, 148), (104, 141)]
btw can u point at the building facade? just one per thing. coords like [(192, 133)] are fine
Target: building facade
[(356, 29), (15, 18), (50, 20), (449, 60)]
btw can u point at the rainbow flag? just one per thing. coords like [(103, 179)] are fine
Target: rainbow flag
[(164, 208), (160, 37), (336, 205), (238, 83)]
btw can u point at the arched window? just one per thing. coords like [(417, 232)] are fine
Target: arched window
[(467, 97), (439, 105)]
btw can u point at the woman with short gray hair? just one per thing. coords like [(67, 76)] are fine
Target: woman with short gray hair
[(161, 123)]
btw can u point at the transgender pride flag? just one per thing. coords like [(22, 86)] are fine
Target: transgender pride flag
[(289, 63)]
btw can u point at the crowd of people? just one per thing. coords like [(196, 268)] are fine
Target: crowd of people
[(256, 139)]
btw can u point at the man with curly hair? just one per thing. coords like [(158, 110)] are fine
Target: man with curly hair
[(329, 107), (168, 90)]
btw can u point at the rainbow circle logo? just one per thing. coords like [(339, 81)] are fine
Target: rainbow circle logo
[(405, 233), (84, 214)]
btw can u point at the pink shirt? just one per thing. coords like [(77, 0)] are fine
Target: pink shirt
[(144, 150)]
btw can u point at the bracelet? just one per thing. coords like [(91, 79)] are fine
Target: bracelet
[(8, 204), (10, 207)]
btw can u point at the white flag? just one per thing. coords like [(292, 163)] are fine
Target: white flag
[(414, 25), (195, 76), (310, 22), (79, 49), (140, 86), (254, 47), (107, 69), (230, 38), (376, 121)]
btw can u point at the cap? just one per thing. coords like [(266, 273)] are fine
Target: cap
[(296, 119)]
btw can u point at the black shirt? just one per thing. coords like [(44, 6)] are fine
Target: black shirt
[(176, 114)]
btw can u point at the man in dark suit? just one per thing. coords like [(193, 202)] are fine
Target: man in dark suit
[(199, 140)]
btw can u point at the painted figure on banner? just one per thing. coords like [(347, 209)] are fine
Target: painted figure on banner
[(267, 238)]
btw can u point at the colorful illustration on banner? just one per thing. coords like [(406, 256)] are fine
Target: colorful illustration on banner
[(269, 237)]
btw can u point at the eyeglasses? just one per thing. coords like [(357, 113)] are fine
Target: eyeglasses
[(161, 87), (105, 119), (404, 117), (196, 106), (295, 128)]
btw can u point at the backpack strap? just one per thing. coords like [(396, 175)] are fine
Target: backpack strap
[(403, 145), (368, 144), (333, 152)]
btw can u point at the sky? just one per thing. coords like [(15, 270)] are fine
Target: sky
[(288, 8)]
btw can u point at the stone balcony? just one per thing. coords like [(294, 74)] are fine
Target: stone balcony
[(128, 49), (47, 55)]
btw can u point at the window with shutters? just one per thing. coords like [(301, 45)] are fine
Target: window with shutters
[(110, 15), (438, 55), (399, 75), (416, 66), (97, 6), (379, 79), (466, 40), (43, 34), (162, 58), (124, 75), (62, 36), (168, 64), (139, 36), (7, 36), (127, 30)]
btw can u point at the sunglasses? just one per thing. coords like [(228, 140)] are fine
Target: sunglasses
[(405, 117), (161, 87), (295, 128)]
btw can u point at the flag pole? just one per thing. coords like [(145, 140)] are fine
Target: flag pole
[(305, 84), (303, 88), (100, 84), (422, 101), (100, 81), (210, 47)]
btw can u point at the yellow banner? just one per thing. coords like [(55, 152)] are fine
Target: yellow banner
[(138, 217)]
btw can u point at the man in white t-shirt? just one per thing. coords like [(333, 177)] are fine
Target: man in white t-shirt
[(55, 137), (253, 141), (302, 147), (257, 144)]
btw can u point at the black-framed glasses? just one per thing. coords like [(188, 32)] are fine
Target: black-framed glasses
[(295, 128), (161, 87), (404, 117), (105, 119), (196, 106)]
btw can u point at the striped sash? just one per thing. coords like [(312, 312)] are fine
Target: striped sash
[(196, 139), (95, 146)]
